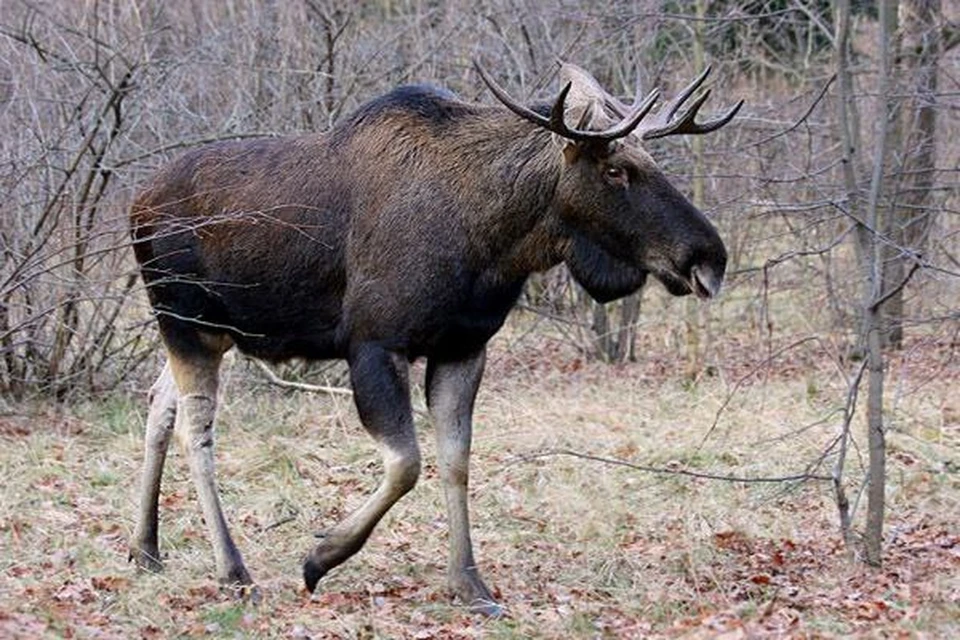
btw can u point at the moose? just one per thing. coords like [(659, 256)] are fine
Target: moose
[(406, 231)]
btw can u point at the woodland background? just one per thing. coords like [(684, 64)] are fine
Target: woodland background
[(829, 363)]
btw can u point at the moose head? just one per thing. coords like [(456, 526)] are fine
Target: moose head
[(622, 217)]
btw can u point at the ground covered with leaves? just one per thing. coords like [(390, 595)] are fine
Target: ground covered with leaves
[(575, 546)]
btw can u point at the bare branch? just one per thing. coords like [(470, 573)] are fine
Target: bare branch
[(299, 386), (548, 453), (876, 304)]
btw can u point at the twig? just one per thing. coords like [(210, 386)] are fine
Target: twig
[(843, 503), (183, 144), (299, 386), (799, 121), (889, 294), (280, 522), (800, 477), (790, 255), (736, 387)]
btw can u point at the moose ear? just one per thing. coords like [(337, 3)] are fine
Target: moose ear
[(571, 151), (584, 107), (584, 116), (583, 87)]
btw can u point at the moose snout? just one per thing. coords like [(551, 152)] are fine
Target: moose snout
[(687, 254), (704, 269), (705, 280)]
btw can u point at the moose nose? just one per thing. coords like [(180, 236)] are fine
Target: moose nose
[(705, 280), (705, 267)]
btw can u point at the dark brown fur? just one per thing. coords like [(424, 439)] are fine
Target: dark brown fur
[(414, 224), (407, 231)]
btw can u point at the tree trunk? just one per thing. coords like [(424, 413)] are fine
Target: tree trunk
[(914, 217), (614, 328), (870, 248), (266, 61), (848, 122), (692, 311), (876, 251), (876, 439)]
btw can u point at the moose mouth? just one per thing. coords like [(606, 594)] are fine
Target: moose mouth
[(703, 281)]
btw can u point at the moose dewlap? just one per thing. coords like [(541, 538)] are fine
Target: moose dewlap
[(406, 231)]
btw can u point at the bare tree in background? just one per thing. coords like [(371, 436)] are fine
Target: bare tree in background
[(63, 283), (877, 231), (913, 214)]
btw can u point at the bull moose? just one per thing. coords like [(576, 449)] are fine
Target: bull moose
[(406, 231)]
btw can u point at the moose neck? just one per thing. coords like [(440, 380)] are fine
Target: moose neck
[(477, 179), (514, 221)]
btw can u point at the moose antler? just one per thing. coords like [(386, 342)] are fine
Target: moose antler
[(664, 124), (557, 124)]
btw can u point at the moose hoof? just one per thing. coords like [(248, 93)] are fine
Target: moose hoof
[(236, 576), (312, 572), (472, 592), (146, 559), (237, 583), (249, 593), (333, 550), (488, 608)]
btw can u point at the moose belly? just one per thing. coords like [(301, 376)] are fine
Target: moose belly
[(460, 330)]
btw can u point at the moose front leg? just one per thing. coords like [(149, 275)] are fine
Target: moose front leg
[(451, 390), (382, 395)]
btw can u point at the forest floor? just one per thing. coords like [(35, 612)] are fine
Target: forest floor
[(574, 544)]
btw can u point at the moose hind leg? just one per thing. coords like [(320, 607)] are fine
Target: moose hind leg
[(381, 393), (197, 380), (144, 548), (451, 390)]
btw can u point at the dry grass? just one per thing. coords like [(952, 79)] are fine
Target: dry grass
[(575, 548)]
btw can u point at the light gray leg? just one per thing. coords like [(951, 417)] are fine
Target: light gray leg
[(144, 548), (197, 383), (451, 390), (382, 394)]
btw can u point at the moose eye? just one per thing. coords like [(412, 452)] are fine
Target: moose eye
[(615, 175)]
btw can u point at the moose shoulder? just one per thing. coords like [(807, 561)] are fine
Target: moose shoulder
[(406, 231)]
